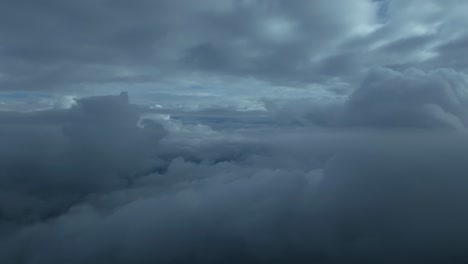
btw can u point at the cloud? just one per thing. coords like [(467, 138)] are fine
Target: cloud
[(55, 46), (68, 48), (380, 194), (398, 198), (411, 98), (101, 183), (259, 131), (52, 159), (388, 98)]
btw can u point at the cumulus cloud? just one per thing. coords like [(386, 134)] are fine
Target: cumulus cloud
[(53, 159), (387, 98), (413, 97)]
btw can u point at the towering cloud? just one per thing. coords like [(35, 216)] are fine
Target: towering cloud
[(412, 98)]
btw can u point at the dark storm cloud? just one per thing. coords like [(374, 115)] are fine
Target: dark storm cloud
[(52, 159), (370, 175), (67, 45), (385, 197), (56, 44), (61, 43), (98, 184)]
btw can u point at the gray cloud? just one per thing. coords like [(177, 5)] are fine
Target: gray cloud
[(229, 160), (387, 98), (57, 45), (96, 185), (267, 201), (52, 159), (412, 98)]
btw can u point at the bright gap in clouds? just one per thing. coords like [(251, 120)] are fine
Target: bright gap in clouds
[(249, 131)]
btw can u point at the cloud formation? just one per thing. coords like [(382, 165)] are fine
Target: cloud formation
[(70, 46), (410, 98), (52, 159), (100, 184), (435, 98), (259, 131)]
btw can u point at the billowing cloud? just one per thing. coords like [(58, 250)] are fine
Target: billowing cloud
[(52, 159), (387, 98), (412, 98), (99, 186)]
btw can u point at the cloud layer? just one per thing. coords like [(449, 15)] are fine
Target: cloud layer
[(78, 44), (106, 181), (253, 131)]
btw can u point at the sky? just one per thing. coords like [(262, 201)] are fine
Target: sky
[(233, 131), (81, 48)]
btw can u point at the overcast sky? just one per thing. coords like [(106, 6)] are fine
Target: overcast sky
[(233, 131), (97, 46)]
